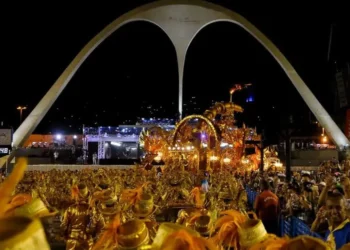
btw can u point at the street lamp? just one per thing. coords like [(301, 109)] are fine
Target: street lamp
[(21, 112), (324, 139)]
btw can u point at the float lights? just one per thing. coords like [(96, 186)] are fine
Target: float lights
[(245, 161), (278, 164), (214, 158), (227, 160)]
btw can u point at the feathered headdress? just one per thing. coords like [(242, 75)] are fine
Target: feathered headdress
[(308, 242), (109, 239), (9, 185), (185, 241), (227, 227), (96, 196), (17, 201), (195, 196), (133, 195), (75, 192), (271, 243), (197, 214)]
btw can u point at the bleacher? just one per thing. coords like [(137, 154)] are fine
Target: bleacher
[(290, 226)]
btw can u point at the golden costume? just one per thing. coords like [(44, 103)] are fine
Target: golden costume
[(80, 222), (196, 217), (124, 236), (139, 205), (240, 198), (177, 189), (171, 236), (225, 231), (17, 232), (307, 243), (108, 206)]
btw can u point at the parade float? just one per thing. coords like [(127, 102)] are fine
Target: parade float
[(209, 142)]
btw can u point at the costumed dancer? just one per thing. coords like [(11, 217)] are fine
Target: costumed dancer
[(130, 235), (197, 216), (18, 232), (136, 204), (80, 220)]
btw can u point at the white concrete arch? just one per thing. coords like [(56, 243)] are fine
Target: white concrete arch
[(181, 20)]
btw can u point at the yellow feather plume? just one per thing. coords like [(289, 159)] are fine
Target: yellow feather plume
[(182, 240), (271, 243), (133, 195), (17, 201), (96, 196), (307, 242), (109, 239), (237, 216), (75, 192), (9, 185), (194, 217), (195, 196), (227, 227)]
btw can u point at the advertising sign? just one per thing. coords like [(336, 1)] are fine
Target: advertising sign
[(5, 137)]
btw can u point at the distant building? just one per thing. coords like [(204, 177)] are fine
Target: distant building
[(341, 94), (342, 87), (120, 142), (43, 141)]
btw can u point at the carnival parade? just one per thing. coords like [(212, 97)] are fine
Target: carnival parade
[(128, 162), (199, 198)]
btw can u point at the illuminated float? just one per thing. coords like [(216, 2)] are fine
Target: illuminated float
[(210, 141)]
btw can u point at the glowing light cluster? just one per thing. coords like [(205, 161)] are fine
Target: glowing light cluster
[(178, 148)]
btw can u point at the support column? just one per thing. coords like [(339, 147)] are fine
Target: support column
[(262, 147), (261, 167), (288, 157), (181, 54)]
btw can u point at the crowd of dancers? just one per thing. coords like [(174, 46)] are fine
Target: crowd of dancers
[(173, 208)]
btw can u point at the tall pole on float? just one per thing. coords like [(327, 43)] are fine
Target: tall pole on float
[(231, 93), (261, 167), (330, 44)]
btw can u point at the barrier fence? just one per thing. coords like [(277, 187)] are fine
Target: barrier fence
[(290, 226)]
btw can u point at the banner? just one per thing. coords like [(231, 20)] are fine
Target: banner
[(5, 137), (347, 124)]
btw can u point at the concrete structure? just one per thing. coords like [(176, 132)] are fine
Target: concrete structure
[(313, 158), (181, 20), (48, 167)]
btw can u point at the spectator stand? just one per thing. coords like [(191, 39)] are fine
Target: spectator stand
[(290, 226)]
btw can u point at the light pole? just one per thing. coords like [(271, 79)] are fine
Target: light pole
[(21, 113)]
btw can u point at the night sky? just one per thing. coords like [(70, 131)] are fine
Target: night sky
[(136, 67)]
